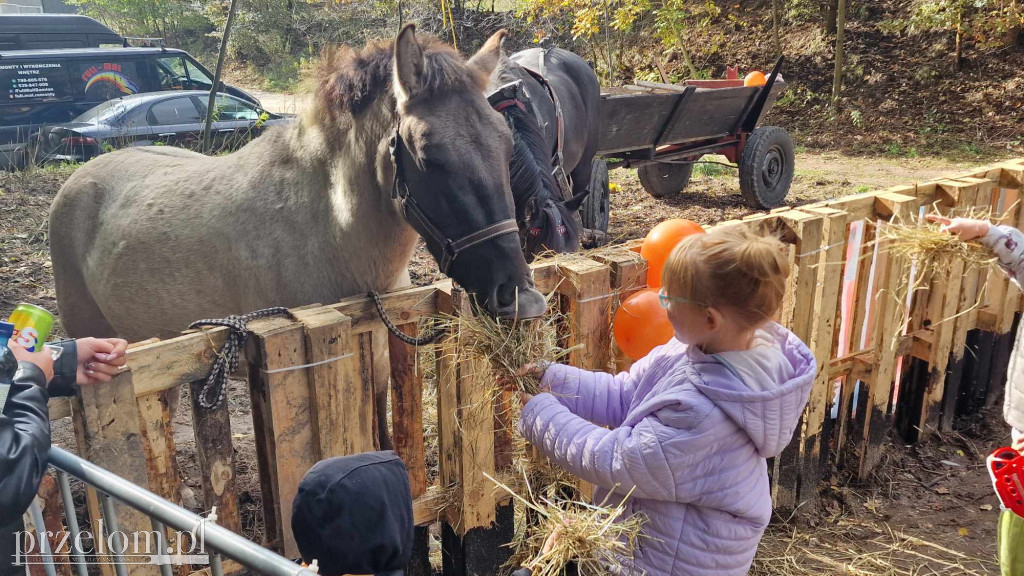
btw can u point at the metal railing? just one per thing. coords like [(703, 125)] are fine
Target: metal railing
[(218, 541)]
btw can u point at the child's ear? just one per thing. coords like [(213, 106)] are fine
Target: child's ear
[(713, 318)]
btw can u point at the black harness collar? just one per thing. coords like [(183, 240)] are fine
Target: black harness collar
[(418, 219)]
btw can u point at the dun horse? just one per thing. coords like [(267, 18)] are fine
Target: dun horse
[(400, 141)]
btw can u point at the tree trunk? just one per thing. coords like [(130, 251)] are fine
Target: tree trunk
[(958, 53), (831, 16), (776, 24), (216, 77), (608, 41), (837, 80)]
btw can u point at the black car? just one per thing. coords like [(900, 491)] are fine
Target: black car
[(45, 87), (36, 31), (158, 118)]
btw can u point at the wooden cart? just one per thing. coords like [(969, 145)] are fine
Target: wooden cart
[(667, 128)]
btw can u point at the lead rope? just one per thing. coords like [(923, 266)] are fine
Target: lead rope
[(410, 340), (227, 359)]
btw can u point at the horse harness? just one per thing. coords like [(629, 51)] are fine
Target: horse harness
[(508, 96), (421, 222)]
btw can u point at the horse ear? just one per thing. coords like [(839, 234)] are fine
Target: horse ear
[(409, 63), (573, 204), (486, 59)]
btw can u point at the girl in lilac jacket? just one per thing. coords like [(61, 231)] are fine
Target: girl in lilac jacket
[(691, 424)]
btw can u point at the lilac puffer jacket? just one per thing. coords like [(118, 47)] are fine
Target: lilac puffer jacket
[(691, 432)]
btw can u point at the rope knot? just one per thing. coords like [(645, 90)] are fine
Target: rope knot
[(215, 387)]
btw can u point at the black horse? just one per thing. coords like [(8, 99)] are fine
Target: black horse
[(549, 98)]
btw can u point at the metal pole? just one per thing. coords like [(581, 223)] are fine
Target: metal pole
[(44, 539), (72, 520), (217, 538), (161, 545), (113, 529), (216, 77)]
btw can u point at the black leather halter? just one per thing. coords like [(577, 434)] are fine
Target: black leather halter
[(418, 219)]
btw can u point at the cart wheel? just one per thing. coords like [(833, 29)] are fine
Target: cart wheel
[(766, 168), (662, 180), (594, 211)]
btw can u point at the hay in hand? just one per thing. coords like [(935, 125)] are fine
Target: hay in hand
[(593, 537), (508, 346), (926, 246)]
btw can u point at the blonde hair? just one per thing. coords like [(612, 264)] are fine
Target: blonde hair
[(732, 269)]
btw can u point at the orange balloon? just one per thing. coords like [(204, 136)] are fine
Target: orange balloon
[(640, 324), (755, 78), (659, 244)]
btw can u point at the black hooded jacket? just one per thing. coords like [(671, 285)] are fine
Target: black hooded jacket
[(25, 442)]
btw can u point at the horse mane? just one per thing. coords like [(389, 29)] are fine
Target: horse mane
[(348, 80), (530, 173)]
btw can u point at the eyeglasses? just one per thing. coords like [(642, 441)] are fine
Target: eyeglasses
[(665, 300)]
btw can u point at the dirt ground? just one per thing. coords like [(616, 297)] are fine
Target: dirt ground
[(929, 509)]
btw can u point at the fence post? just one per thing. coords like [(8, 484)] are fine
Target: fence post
[(407, 434), (474, 534), (822, 344), (284, 406), (628, 276), (889, 276), (215, 455), (108, 416), (798, 317)]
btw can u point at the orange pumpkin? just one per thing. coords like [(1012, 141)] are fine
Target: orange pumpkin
[(641, 324), (659, 244), (755, 78)]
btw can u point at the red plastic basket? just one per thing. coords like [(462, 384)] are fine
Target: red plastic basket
[(1006, 466)]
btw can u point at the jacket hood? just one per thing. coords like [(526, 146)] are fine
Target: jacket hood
[(763, 391)]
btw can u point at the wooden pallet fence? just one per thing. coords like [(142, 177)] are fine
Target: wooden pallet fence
[(318, 378)]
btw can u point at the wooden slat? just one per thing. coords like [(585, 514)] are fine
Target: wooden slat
[(823, 328), (336, 394), (890, 317), (157, 426), (971, 195), (407, 409), (467, 441), (798, 316), (216, 457), (447, 406), (109, 417), (628, 275), (280, 343)]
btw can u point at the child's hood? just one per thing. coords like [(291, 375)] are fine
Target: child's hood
[(763, 390)]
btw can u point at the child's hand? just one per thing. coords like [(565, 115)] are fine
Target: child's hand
[(549, 544), (533, 370), (1018, 445), (42, 358), (965, 228), (99, 359)]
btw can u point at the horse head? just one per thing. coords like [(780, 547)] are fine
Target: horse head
[(443, 155)]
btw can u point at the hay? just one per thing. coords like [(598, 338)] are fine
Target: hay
[(931, 254), (507, 346), (594, 537)]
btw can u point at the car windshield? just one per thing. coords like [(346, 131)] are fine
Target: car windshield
[(108, 112)]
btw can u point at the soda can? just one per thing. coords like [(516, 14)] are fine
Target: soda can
[(32, 326)]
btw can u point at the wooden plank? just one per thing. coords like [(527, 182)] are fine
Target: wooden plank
[(109, 417), (407, 409), (176, 361), (215, 455), (628, 275), (447, 406), (797, 316), (157, 426), (279, 344), (587, 289), (333, 387), (823, 328), (92, 501), (967, 316), (890, 316)]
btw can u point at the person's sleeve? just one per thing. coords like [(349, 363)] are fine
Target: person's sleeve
[(641, 456), (599, 397), (65, 370), (1008, 245), (24, 442)]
